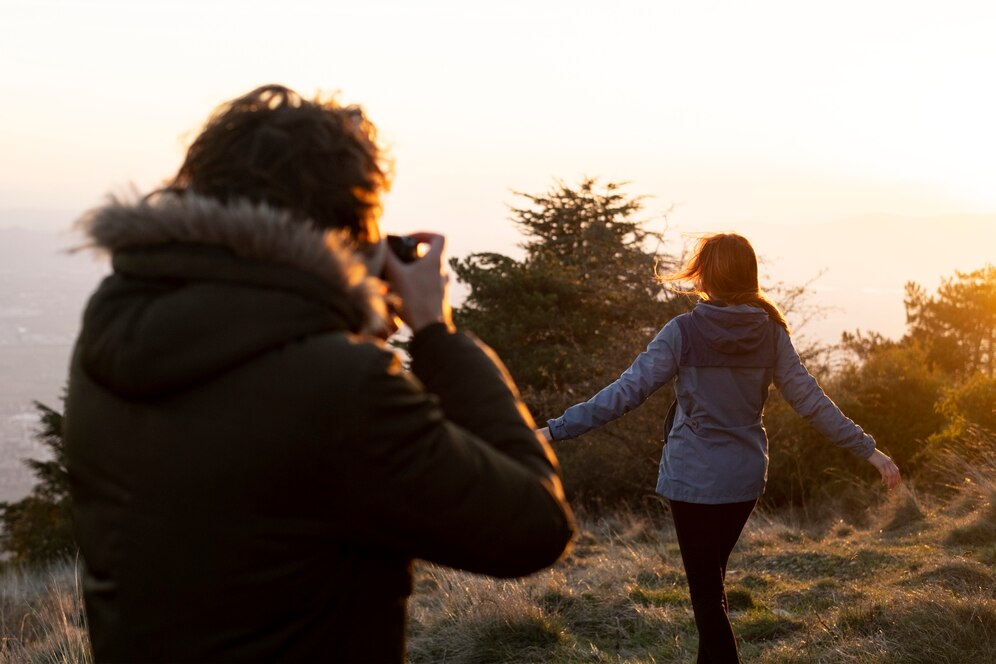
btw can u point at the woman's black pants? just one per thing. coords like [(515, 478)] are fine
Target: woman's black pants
[(706, 536)]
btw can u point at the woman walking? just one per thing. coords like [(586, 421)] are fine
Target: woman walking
[(722, 356)]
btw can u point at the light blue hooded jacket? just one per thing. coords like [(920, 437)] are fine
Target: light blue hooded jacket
[(722, 360)]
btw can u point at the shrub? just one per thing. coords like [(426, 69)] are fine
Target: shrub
[(38, 528)]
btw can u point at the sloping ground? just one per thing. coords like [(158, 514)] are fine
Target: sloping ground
[(919, 586)]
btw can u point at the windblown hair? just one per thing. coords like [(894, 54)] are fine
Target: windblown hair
[(315, 159), (723, 267)]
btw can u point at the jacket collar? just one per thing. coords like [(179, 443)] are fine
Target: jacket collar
[(258, 233)]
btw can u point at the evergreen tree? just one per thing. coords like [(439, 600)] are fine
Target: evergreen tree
[(582, 302), (957, 326), (38, 528), (571, 315)]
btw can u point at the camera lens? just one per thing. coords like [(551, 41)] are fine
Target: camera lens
[(405, 247)]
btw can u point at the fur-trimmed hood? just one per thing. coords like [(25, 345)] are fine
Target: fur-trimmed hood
[(253, 232), (200, 288)]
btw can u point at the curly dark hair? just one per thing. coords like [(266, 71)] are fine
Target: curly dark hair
[(316, 159)]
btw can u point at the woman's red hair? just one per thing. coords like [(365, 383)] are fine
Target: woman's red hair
[(724, 267)]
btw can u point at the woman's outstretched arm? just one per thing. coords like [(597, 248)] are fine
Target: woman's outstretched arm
[(654, 367), (808, 399)]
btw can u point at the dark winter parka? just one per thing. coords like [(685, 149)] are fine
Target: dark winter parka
[(253, 473)]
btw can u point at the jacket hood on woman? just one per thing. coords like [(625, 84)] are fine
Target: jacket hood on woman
[(252, 472), (732, 330)]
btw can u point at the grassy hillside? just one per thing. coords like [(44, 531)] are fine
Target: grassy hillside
[(918, 584)]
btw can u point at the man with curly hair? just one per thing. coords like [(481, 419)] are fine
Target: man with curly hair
[(252, 471)]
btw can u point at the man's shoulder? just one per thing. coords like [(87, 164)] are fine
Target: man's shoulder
[(333, 374), (346, 350)]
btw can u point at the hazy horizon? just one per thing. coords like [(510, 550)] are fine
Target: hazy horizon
[(856, 267)]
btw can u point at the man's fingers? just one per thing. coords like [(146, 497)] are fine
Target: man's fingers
[(436, 242)]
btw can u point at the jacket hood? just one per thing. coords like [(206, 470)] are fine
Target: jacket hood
[(200, 287), (735, 329)]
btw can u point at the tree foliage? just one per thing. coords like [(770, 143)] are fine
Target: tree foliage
[(38, 528), (924, 397), (969, 412), (925, 390), (573, 312), (957, 325), (582, 301), (571, 315), (893, 396)]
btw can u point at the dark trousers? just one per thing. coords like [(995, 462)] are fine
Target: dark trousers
[(706, 536)]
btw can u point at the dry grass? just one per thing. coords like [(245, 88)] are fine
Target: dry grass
[(41, 616), (910, 582), (913, 585)]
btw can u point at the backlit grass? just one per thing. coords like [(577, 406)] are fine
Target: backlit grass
[(912, 582)]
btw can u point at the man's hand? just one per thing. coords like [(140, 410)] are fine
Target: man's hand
[(545, 432), (422, 285), (888, 469)]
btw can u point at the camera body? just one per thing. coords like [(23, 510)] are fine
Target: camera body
[(405, 247)]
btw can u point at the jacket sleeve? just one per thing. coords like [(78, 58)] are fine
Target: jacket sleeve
[(808, 399), (456, 473), (654, 367)]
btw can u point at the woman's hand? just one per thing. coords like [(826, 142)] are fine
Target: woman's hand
[(888, 469), (545, 432)]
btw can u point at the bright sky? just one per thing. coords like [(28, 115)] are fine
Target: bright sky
[(763, 111)]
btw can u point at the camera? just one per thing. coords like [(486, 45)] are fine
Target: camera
[(405, 247)]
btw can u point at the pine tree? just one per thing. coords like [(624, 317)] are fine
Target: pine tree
[(571, 315), (584, 299), (38, 528), (957, 325)]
